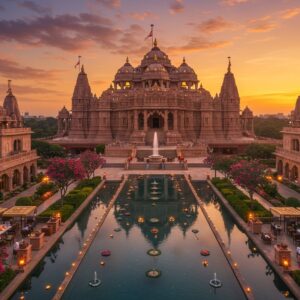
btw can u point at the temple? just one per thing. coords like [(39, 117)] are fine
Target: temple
[(156, 96), (288, 156), (18, 163)]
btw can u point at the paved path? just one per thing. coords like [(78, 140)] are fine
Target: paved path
[(11, 201), (285, 191)]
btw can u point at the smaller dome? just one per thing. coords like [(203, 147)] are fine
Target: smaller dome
[(247, 112), (125, 73), (186, 73), (156, 71)]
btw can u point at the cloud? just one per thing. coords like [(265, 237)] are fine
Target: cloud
[(2, 8), (11, 69), (66, 31), (110, 3), (263, 24), (176, 7), (290, 13), (233, 2), (196, 44), (214, 25), (140, 16), (35, 7)]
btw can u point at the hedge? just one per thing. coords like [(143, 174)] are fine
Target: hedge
[(241, 203), (6, 277), (296, 276), (72, 200)]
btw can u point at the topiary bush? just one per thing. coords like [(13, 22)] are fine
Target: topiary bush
[(24, 201), (100, 148)]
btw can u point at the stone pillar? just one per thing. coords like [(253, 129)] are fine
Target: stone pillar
[(166, 187), (166, 121), (175, 116), (135, 120)]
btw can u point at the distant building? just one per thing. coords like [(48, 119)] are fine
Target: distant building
[(277, 116), (27, 116), (288, 157), (18, 163), (156, 96)]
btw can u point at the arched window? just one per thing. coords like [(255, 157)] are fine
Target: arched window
[(16, 178), (295, 145), (4, 183), (17, 146), (170, 121), (25, 175), (294, 173)]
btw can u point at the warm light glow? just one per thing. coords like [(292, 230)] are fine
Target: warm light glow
[(21, 262), (235, 264), (171, 219), (46, 179), (73, 264), (67, 273), (48, 287), (279, 177), (285, 263), (248, 290), (250, 216), (141, 220)]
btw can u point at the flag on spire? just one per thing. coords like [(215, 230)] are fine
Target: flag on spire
[(150, 33), (78, 63)]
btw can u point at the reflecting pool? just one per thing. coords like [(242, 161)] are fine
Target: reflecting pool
[(161, 213), (51, 270), (259, 275)]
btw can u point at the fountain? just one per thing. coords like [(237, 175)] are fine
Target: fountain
[(216, 283), (95, 282), (155, 157)]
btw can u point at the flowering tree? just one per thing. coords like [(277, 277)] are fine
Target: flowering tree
[(248, 174), (90, 162), (64, 172), (219, 163)]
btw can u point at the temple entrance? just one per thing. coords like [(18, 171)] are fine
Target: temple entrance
[(155, 121)]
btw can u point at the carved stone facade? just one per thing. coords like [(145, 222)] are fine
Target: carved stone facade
[(17, 160), (288, 157), (154, 96)]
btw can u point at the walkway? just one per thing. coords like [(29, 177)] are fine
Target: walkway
[(11, 201), (285, 191)]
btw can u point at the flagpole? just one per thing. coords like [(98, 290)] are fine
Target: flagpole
[(152, 35), (79, 57)]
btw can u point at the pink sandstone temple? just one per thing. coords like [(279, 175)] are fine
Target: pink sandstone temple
[(156, 96), (17, 160)]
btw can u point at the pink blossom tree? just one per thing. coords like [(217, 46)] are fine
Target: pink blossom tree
[(220, 163), (91, 161), (248, 174), (64, 172)]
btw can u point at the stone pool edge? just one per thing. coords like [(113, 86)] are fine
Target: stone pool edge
[(21, 277), (75, 265), (248, 294), (286, 278)]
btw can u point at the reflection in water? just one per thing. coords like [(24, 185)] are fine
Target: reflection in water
[(155, 204)]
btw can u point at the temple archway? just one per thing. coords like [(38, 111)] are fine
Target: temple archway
[(16, 178), (294, 173), (32, 173), (141, 121), (25, 174), (170, 121), (4, 184), (156, 121)]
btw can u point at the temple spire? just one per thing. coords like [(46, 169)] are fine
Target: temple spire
[(183, 60), (9, 90), (127, 60), (229, 64)]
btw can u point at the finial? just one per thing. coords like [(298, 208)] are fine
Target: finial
[(127, 60), (229, 64), (82, 69), (183, 60), (155, 42), (201, 86), (155, 57), (9, 86)]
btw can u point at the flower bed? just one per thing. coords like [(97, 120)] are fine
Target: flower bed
[(6, 277), (72, 200), (239, 201)]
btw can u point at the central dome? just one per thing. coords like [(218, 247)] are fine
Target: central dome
[(125, 73), (156, 71), (156, 55)]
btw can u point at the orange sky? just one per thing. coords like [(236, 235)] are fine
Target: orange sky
[(40, 42)]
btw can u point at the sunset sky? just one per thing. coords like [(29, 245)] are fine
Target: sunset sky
[(41, 40)]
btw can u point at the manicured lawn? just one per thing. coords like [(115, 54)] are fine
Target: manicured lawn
[(241, 203)]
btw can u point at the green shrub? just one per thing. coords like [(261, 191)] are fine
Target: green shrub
[(24, 201), (100, 148), (270, 189), (296, 276), (294, 202), (45, 187), (6, 277)]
